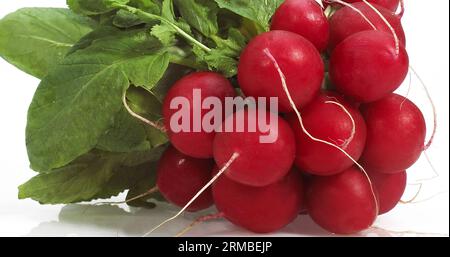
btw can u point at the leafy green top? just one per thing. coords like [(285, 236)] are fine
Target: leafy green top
[(79, 136)]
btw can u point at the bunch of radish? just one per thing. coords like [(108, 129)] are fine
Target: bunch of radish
[(343, 146)]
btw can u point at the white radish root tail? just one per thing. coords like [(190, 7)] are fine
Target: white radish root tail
[(137, 116), (414, 201), (415, 195), (397, 41), (430, 163), (299, 116), (354, 9), (200, 220), (347, 141), (435, 125), (222, 170), (433, 106), (407, 92)]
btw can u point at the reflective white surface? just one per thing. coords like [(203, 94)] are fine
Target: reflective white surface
[(426, 25), (113, 221)]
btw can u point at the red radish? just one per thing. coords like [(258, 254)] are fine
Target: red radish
[(306, 178), (298, 59), (180, 177), (396, 133), (303, 17), (368, 66), (258, 164), (346, 22), (260, 209), (389, 187), (195, 144), (391, 5), (344, 203), (340, 124)]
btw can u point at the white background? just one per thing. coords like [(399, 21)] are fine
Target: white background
[(426, 24)]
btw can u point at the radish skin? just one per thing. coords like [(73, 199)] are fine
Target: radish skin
[(180, 177), (258, 164), (260, 209), (367, 66), (346, 22), (195, 144), (342, 203), (299, 60), (391, 5), (331, 123), (396, 133), (303, 17), (389, 187)]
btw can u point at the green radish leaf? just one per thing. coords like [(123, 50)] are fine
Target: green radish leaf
[(125, 135), (217, 60), (93, 7), (227, 20), (200, 14), (74, 183), (93, 176), (147, 69), (128, 133), (144, 103), (77, 102), (66, 122), (122, 179), (36, 39), (151, 6), (203, 16), (124, 19), (173, 74), (145, 183), (259, 11), (164, 32), (126, 177), (234, 44), (101, 32), (167, 11), (133, 159), (148, 105), (224, 58)]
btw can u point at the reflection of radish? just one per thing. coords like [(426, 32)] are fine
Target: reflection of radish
[(396, 133), (341, 125), (368, 66), (303, 17), (180, 177), (344, 203), (389, 187), (260, 209), (195, 144), (298, 59), (258, 164), (347, 21)]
